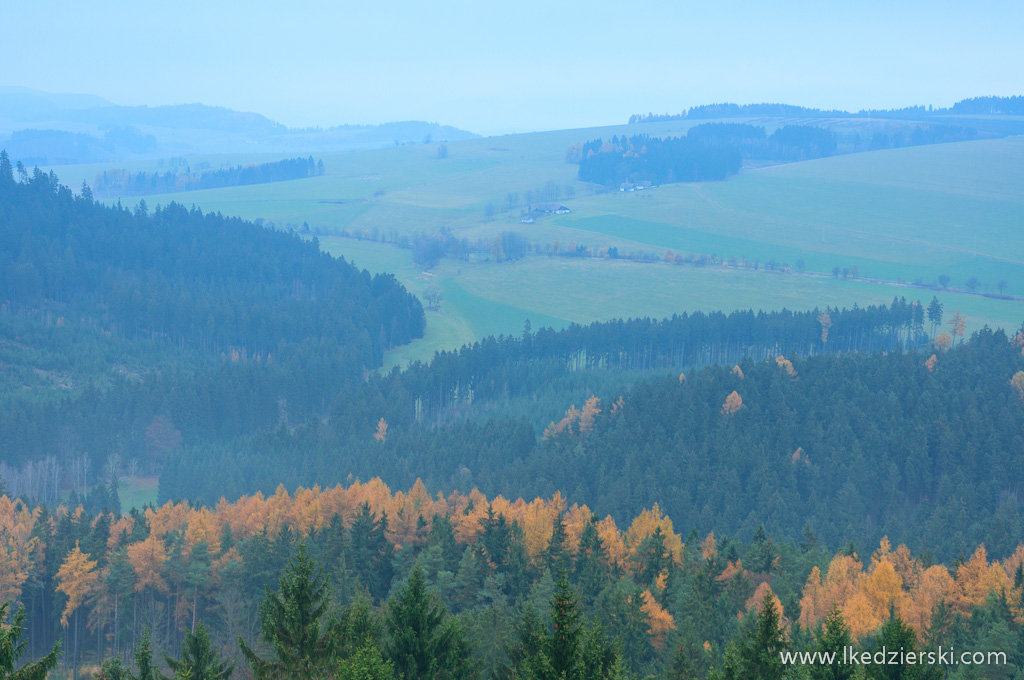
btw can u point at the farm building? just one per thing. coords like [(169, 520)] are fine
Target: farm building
[(548, 209)]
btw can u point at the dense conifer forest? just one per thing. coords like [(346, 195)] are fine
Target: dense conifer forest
[(852, 446), (121, 325)]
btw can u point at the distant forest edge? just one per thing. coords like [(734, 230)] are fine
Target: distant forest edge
[(983, 106), (709, 152), (121, 182)]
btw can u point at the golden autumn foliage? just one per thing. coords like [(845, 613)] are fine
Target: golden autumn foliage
[(755, 603), (733, 403), (17, 547), (575, 420), (930, 364), (709, 547), (731, 571), (737, 371), (661, 581), (618, 405), (120, 525), (957, 325), (76, 578), (943, 342), (894, 578), (826, 323), (643, 527), (977, 578), (786, 365), (147, 558), (660, 621), (682, 378), (614, 545), (1017, 381), (591, 410), (381, 434), (564, 425)]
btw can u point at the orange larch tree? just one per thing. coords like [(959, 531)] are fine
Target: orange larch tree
[(381, 434), (76, 578), (733, 403), (826, 323)]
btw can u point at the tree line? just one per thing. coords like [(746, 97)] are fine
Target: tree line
[(975, 105), (652, 159), (123, 182), (708, 152)]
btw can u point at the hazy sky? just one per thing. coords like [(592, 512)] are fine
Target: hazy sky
[(492, 67)]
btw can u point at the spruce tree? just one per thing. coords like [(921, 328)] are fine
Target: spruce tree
[(144, 658), (759, 653), (590, 574), (295, 623), (423, 642), (834, 639), (115, 669), (12, 647), (557, 554), (199, 658), (563, 648), (897, 636)]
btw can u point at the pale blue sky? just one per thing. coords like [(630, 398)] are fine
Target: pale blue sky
[(492, 67)]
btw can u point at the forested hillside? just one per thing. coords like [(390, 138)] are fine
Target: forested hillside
[(123, 331)]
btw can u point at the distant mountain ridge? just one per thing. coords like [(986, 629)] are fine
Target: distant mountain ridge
[(24, 101), (974, 106), (55, 129)]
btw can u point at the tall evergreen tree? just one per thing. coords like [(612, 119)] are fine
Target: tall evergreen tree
[(759, 653), (424, 643), (295, 622), (199, 658), (590, 573), (557, 554), (144, 658), (563, 647), (897, 636), (833, 640), (371, 551)]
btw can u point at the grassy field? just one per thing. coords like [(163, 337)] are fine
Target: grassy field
[(898, 216), (137, 492), (492, 298)]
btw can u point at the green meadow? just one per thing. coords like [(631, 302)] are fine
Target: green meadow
[(897, 216)]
